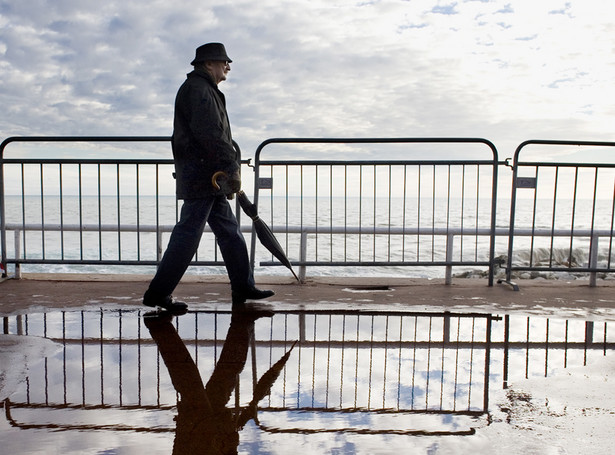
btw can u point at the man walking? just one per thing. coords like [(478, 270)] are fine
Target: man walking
[(202, 145)]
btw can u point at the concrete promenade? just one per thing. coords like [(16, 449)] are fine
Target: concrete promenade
[(39, 292)]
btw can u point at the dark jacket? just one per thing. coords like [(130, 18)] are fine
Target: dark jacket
[(202, 141)]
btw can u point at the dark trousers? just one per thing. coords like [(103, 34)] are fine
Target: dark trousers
[(185, 239)]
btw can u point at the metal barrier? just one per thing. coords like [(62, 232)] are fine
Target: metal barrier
[(569, 208), (90, 211), (382, 212), (379, 213)]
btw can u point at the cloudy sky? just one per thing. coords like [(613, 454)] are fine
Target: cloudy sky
[(505, 70)]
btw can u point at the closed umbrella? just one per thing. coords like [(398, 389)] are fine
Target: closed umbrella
[(263, 231), (263, 388)]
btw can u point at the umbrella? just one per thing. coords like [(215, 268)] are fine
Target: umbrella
[(263, 232), (263, 388)]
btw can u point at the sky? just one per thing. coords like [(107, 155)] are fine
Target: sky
[(506, 71)]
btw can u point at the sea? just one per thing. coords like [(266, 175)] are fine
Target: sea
[(362, 232)]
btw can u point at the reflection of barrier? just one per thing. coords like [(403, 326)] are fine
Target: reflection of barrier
[(374, 422), (64, 417), (374, 363), (537, 345), (393, 360), (422, 367)]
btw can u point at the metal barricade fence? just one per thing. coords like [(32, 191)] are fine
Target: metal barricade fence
[(566, 208), (90, 210), (380, 212), (343, 214), (119, 211)]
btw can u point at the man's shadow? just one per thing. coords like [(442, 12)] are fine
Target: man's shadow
[(204, 424)]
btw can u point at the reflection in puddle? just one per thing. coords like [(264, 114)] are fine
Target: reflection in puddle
[(203, 420), (215, 382)]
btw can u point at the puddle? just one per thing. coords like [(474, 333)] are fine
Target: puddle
[(127, 381), (368, 289)]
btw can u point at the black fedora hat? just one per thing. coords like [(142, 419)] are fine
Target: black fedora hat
[(210, 52)]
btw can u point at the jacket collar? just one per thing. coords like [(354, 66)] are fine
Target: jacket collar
[(204, 74)]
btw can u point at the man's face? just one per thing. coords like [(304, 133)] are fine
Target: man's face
[(218, 70)]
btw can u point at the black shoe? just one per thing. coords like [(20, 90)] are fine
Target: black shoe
[(251, 312), (166, 302), (240, 297), (157, 317)]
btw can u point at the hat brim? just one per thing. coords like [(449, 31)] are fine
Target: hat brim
[(216, 59)]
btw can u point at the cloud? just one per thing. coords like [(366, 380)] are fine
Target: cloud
[(318, 68), (445, 9)]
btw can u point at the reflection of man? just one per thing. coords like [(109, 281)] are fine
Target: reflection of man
[(202, 145), (204, 424)]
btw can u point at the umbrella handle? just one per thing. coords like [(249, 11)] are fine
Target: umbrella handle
[(216, 185), (214, 179)]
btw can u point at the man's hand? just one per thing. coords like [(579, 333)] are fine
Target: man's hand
[(235, 182), (225, 184)]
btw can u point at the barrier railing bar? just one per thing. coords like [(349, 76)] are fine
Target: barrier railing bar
[(449, 233)]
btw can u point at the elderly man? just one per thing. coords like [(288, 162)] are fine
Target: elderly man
[(202, 145)]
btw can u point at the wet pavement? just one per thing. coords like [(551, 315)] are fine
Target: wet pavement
[(331, 366), (541, 296)]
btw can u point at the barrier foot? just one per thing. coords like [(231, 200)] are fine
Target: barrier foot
[(514, 286)]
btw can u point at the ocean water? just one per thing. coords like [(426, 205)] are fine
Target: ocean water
[(339, 230)]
